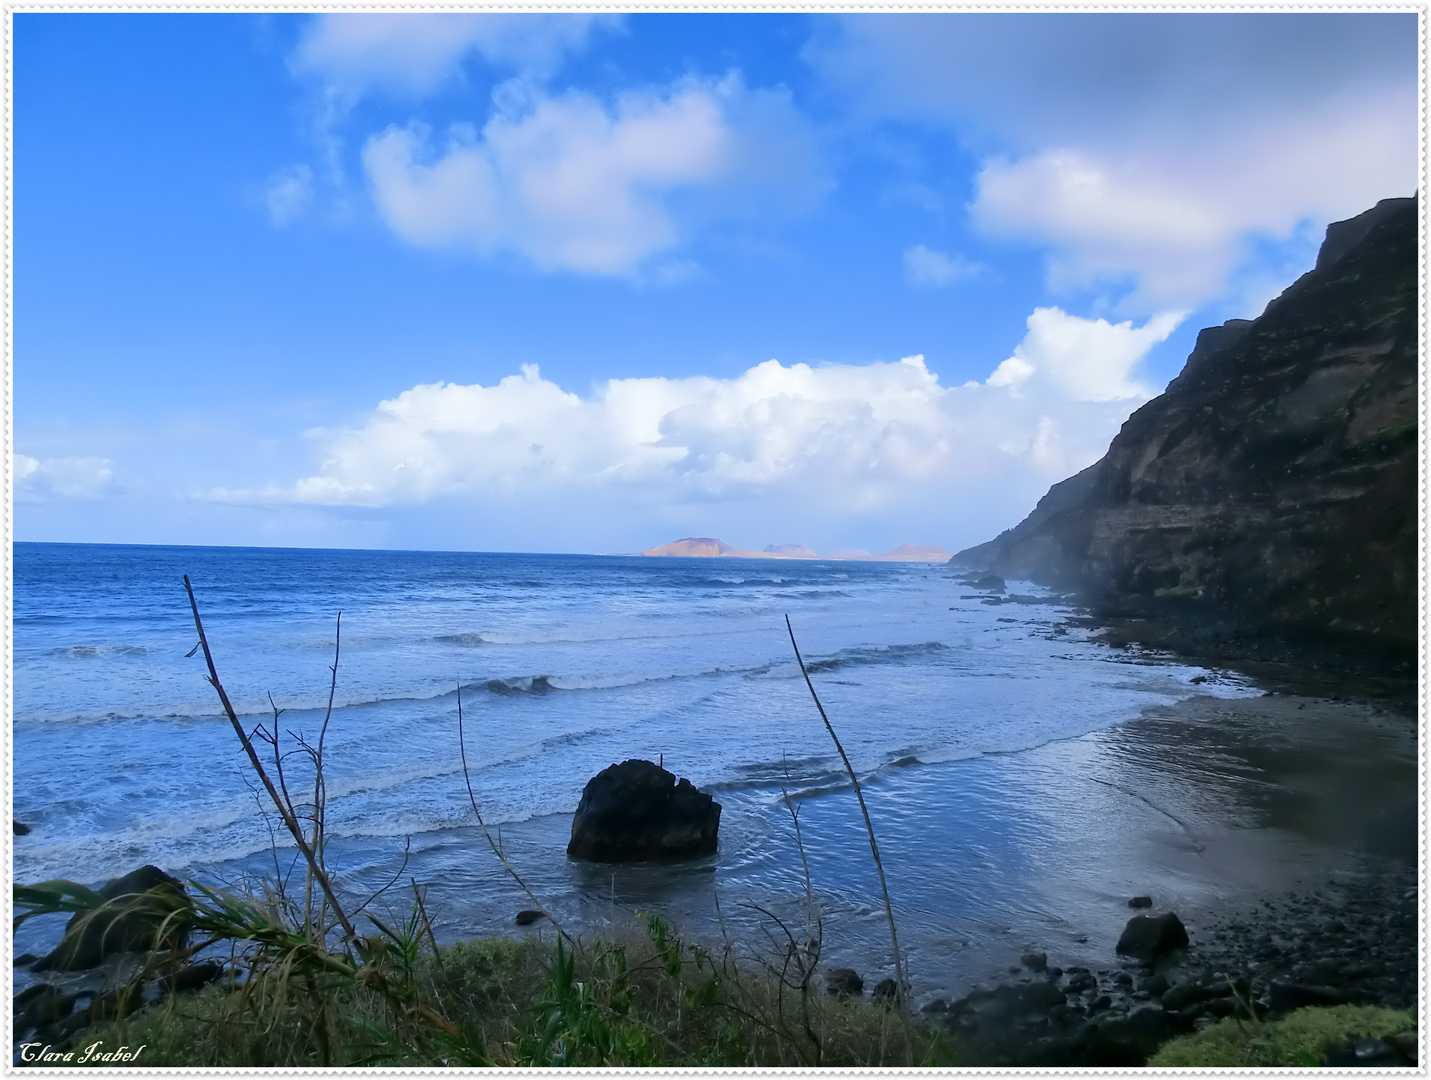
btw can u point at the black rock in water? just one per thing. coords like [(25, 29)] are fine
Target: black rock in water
[(844, 982), (1147, 937), (637, 812), (144, 911)]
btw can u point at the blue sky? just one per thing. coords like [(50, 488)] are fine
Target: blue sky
[(566, 282)]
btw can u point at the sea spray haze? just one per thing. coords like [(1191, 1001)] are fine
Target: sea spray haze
[(567, 664)]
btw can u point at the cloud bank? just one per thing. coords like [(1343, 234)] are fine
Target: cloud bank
[(830, 440)]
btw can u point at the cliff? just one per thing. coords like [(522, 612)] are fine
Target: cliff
[(1273, 485)]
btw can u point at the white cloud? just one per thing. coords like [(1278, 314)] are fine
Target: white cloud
[(414, 53), (1084, 359), (1147, 149), (831, 440), (930, 269), (289, 193), (572, 186), (1179, 224), (66, 477)]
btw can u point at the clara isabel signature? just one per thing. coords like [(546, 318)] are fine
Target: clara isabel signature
[(33, 1052)]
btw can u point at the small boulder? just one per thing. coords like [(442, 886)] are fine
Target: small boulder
[(1147, 937), (41, 1005), (637, 812), (886, 992), (1367, 1054), (1034, 961), (21, 828), (844, 982), (992, 582), (529, 916), (1141, 902), (144, 910), (1283, 997), (192, 977)]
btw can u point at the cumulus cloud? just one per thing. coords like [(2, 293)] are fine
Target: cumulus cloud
[(1147, 149), (63, 477), (840, 438), (929, 269), (414, 53), (1083, 359), (574, 185)]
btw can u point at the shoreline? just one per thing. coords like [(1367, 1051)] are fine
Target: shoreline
[(1218, 863)]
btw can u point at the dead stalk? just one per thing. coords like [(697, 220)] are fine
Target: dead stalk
[(496, 848), (286, 812), (900, 990)]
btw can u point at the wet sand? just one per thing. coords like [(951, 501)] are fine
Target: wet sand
[(1210, 806)]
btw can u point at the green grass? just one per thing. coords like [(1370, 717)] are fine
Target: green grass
[(638, 1000), (1299, 1038)]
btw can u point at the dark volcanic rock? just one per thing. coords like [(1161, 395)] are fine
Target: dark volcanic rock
[(887, 992), (636, 812), (21, 829), (1147, 937), (1367, 1054), (144, 910), (529, 916), (844, 982), (1272, 489)]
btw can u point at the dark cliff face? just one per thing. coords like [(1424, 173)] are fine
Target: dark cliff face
[(1274, 482)]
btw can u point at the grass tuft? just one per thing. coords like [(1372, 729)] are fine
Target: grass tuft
[(1299, 1038)]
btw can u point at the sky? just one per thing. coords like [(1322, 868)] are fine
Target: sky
[(577, 282)]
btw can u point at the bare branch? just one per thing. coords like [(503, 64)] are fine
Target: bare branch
[(901, 995), (496, 850), (288, 819)]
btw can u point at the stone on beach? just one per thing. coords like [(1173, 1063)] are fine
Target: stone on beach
[(844, 982), (1146, 937), (143, 911), (637, 812)]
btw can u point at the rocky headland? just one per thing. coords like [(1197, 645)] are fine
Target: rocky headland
[(1264, 507)]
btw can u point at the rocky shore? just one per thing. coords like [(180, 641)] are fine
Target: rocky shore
[(1352, 939)]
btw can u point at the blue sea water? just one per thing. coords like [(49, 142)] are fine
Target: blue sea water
[(565, 664)]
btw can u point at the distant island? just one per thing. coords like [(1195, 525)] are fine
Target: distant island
[(706, 547)]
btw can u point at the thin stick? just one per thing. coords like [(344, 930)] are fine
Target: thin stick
[(496, 849), (426, 922), (288, 818), (900, 994), (320, 788)]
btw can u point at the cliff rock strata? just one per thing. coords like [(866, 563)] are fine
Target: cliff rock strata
[(1274, 483)]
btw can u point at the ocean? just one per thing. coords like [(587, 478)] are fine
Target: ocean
[(990, 737)]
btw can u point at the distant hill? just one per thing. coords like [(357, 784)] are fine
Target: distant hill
[(703, 547), (794, 550), (708, 547)]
